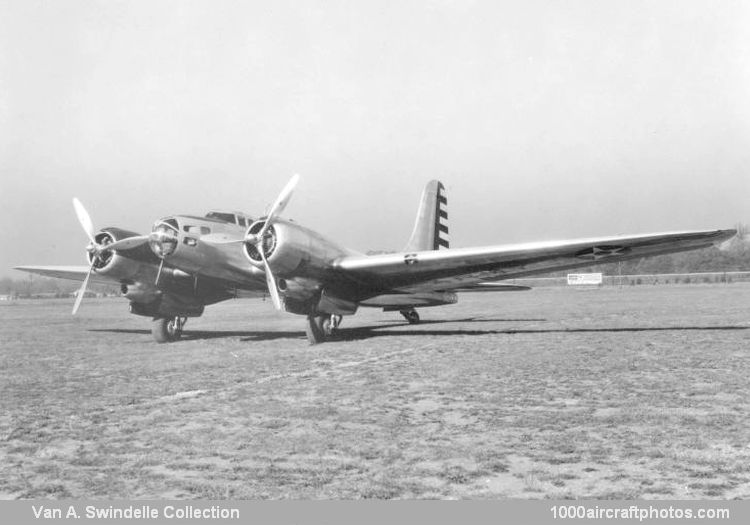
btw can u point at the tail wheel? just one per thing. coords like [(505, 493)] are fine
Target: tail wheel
[(167, 329), (319, 327), (411, 316)]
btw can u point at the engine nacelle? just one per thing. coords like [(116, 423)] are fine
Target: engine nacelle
[(290, 248), (298, 288), (113, 264), (166, 306), (137, 293)]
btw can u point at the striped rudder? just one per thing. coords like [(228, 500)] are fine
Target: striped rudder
[(431, 227), (441, 239)]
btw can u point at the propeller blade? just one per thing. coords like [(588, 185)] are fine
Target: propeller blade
[(82, 290), (85, 219), (271, 282), (126, 244), (281, 201)]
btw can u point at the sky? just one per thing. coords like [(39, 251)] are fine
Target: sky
[(544, 119)]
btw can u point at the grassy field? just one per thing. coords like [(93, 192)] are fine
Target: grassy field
[(635, 392)]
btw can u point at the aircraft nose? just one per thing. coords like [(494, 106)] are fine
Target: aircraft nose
[(164, 237)]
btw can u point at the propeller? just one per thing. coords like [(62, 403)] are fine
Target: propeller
[(271, 281), (85, 219), (257, 238), (96, 249), (281, 201), (82, 290), (278, 206)]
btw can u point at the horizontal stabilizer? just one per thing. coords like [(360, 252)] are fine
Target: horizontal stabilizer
[(493, 287)]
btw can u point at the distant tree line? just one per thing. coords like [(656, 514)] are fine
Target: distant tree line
[(45, 286)]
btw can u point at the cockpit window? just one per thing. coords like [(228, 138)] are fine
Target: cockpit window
[(238, 218), (219, 216)]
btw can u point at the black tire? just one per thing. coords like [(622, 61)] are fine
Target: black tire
[(318, 328), (411, 316), (164, 330)]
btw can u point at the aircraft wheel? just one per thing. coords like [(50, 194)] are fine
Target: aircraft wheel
[(411, 316), (166, 329), (318, 328)]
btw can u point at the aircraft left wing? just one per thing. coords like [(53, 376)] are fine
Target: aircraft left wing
[(73, 273), (455, 269)]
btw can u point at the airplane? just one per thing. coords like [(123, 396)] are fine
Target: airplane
[(188, 262)]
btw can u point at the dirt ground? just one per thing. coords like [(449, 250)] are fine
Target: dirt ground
[(634, 392)]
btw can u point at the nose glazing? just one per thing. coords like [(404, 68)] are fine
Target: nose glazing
[(164, 237)]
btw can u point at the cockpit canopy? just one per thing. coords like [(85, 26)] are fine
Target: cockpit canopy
[(237, 218)]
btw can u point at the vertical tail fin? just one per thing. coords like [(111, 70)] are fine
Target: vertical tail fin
[(431, 227)]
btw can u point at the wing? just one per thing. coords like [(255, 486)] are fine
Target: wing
[(454, 269), (73, 273), (220, 288)]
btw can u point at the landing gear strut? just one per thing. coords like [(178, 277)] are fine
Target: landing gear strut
[(167, 329), (410, 315), (319, 327)]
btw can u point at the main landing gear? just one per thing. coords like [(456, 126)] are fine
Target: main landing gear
[(167, 329), (320, 327), (410, 315)]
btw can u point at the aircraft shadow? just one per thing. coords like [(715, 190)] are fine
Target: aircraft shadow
[(190, 335), (469, 320), (373, 331), (402, 329)]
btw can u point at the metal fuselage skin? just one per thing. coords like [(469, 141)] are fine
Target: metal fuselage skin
[(151, 291), (302, 261), (225, 262), (298, 258), (127, 266)]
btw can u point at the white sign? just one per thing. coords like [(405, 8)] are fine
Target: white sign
[(584, 278)]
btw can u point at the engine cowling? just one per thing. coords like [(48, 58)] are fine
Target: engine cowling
[(138, 293), (291, 249), (111, 263)]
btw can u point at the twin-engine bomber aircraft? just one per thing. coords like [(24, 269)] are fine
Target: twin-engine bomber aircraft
[(188, 262)]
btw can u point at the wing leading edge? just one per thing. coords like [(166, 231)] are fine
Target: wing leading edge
[(454, 269), (73, 273)]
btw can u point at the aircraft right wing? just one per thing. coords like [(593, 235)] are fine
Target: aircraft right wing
[(72, 273), (78, 273), (455, 269)]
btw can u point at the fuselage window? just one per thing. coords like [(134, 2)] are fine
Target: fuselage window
[(200, 230)]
